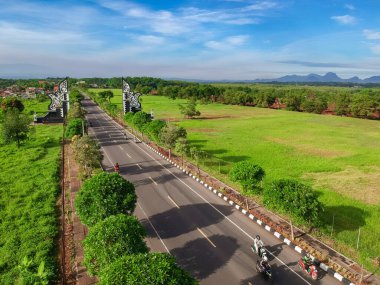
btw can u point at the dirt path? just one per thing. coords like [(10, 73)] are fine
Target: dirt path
[(74, 230)]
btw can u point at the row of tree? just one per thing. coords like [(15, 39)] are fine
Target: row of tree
[(288, 196), (114, 248)]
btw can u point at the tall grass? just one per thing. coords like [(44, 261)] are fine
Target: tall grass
[(29, 186)]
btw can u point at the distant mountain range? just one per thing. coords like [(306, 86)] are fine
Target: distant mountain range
[(328, 77)]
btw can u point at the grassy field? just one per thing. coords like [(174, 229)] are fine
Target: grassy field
[(29, 186), (338, 156)]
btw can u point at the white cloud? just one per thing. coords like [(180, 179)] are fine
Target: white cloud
[(263, 5), (344, 20), (349, 7), (150, 39), (227, 43), (375, 49), (371, 34)]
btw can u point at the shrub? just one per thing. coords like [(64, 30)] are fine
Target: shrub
[(74, 127), (294, 197), (140, 119), (248, 174), (111, 238), (103, 195), (153, 129), (151, 268)]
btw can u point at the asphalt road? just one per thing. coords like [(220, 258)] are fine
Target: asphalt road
[(209, 238)]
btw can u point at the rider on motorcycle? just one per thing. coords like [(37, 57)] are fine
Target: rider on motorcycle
[(264, 265), (307, 260), (116, 167), (258, 244)]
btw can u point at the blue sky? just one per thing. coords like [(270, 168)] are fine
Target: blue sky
[(218, 39)]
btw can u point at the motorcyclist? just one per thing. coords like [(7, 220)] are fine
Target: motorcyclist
[(116, 167), (307, 261), (257, 243)]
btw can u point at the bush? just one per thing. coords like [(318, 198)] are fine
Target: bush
[(248, 174), (295, 198), (112, 238), (153, 129), (140, 119), (151, 268), (74, 127), (103, 195)]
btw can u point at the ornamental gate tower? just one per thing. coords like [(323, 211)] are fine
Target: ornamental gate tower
[(130, 99), (59, 105)]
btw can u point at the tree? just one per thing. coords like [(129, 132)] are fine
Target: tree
[(74, 127), (294, 197), (248, 174), (111, 238), (87, 153), (190, 109), (103, 195), (293, 102), (106, 95), (169, 135), (342, 104), (76, 111), (148, 268), (182, 147), (197, 155), (153, 129), (11, 103), (15, 127), (140, 119)]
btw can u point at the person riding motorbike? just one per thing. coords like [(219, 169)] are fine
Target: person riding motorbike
[(116, 167), (264, 265), (307, 261), (258, 244)]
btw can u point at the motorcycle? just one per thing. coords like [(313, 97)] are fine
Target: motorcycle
[(265, 270), (309, 268), (261, 251)]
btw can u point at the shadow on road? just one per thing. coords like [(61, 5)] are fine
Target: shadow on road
[(201, 259), (187, 218)]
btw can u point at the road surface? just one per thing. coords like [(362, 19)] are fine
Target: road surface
[(209, 238)]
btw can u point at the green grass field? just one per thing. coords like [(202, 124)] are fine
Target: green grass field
[(29, 187), (338, 156)]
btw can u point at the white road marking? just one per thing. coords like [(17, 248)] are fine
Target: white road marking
[(139, 165), (170, 198), (153, 180), (128, 155), (227, 218), (153, 228), (206, 237)]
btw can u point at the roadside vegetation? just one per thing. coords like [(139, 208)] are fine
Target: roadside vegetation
[(338, 157), (29, 187)]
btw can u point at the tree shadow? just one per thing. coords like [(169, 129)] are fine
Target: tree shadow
[(346, 218), (235, 158), (197, 143), (187, 218), (201, 259)]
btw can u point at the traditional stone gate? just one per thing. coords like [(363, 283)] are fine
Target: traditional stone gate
[(130, 99), (59, 105)]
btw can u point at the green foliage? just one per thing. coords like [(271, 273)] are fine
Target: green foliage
[(153, 129), (87, 153), (129, 117), (76, 111), (150, 268), (295, 198), (29, 187), (140, 119), (15, 127), (105, 95), (314, 104), (248, 174), (190, 109), (74, 128), (42, 97), (28, 276), (293, 102), (170, 133), (103, 195), (75, 96), (10, 103), (111, 238)]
